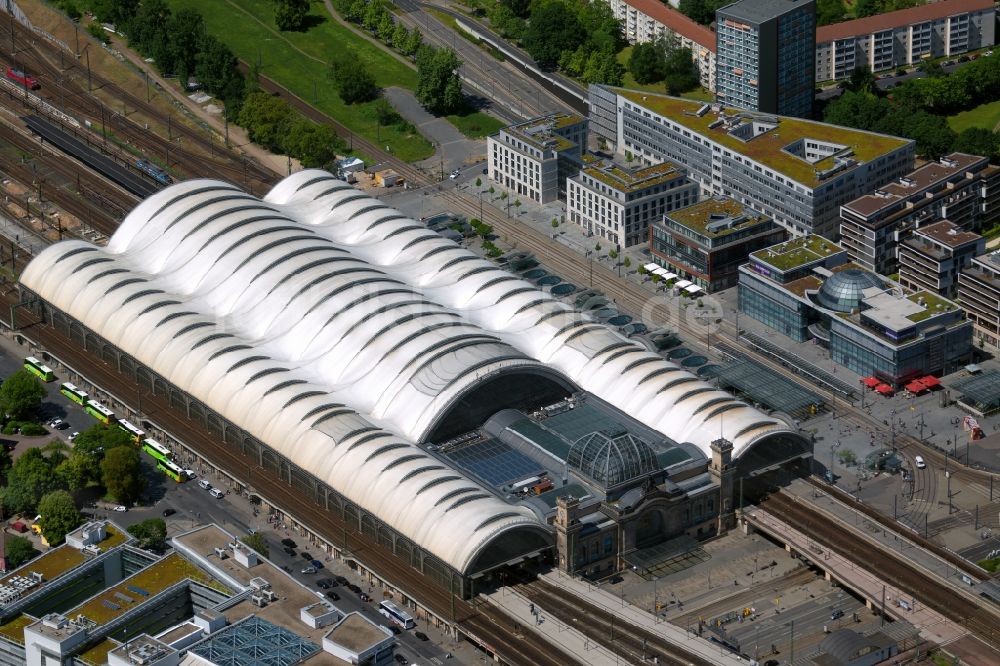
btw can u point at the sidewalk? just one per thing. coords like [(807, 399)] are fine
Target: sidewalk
[(567, 638), (644, 619)]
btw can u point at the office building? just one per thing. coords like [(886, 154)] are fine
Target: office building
[(706, 243), (618, 203), (807, 289), (979, 291), (765, 51), (934, 255), (797, 172), (533, 159), (964, 189), (905, 37), (647, 20)]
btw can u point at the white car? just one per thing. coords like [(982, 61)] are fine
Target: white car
[(55, 423), (74, 436), (190, 473), (120, 508), (919, 462), (454, 174)]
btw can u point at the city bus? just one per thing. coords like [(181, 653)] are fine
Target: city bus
[(39, 369), (171, 469), (396, 614), (99, 412), (73, 393), (133, 432), (157, 450)]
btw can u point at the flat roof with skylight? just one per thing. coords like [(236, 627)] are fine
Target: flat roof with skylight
[(717, 216), (628, 180), (797, 253)]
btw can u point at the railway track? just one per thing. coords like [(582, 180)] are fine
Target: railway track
[(483, 624), (632, 643), (794, 578), (889, 567)]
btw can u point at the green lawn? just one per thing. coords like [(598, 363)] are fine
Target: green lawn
[(986, 116), (476, 124), (299, 61)]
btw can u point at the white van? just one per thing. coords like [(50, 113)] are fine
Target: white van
[(216, 493), (205, 484), (919, 462)]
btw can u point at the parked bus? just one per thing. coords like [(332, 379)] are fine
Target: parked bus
[(39, 369), (396, 614), (157, 450), (73, 393), (133, 432), (99, 412), (171, 469)]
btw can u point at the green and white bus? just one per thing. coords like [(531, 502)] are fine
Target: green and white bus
[(99, 412), (73, 393), (157, 450), (39, 369), (171, 469), (133, 432)]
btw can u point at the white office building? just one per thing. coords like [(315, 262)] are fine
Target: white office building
[(533, 159)]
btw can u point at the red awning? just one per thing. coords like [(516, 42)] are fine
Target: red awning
[(870, 382), (884, 389), (930, 381), (916, 387)]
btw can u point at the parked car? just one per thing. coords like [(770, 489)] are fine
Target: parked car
[(421, 635), (288, 542), (354, 588), (119, 508), (333, 595), (306, 555), (290, 551), (324, 583), (317, 564), (169, 512), (309, 570), (216, 493), (400, 659), (74, 436), (340, 579), (919, 460), (55, 423), (364, 597), (189, 473), (61, 425)]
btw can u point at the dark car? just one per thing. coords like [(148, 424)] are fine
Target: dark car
[(169, 512), (340, 579), (421, 635), (306, 556), (324, 583), (333, 595), (837, 614), (354, 588), (62, 425), (289, 543), (364, 597), (317, 564), (290, 551), (400, 659)]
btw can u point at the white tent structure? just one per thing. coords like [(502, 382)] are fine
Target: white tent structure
[(342, 334)]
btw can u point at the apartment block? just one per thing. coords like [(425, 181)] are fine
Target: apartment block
[(979, 291), (797, 172), (764, 56), (934, 255), (707, 242), (534, 158), (964, 189), (894, 39), (647, 20), (619, 203)]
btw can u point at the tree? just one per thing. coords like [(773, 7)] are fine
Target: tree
[(265, 118), (257, 542), (479, 181), (399, 36), (290, 14), (151, 534), (646, 63), (413, 43), (603, 67), (186, 31), (553, 28), (861, 80), (978, 141), (439, 88), (484, 230), (121, 474), (59, 516), (829, 11), (20, 395), (29, 479), (77, 472), (314, 145), (680, 73), (855, 109), (19, 550), (518, 7), (627, 262), (354, 83)]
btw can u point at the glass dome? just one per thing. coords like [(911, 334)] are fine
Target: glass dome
[(843, 291), (611, 458)]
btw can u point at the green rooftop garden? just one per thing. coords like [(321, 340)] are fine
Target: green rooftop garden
[(931, 303), (14, 630), (629, 180), (797, 252), (768, 148), (53, 564), (697, 216), (98, 654), (154, 579)]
